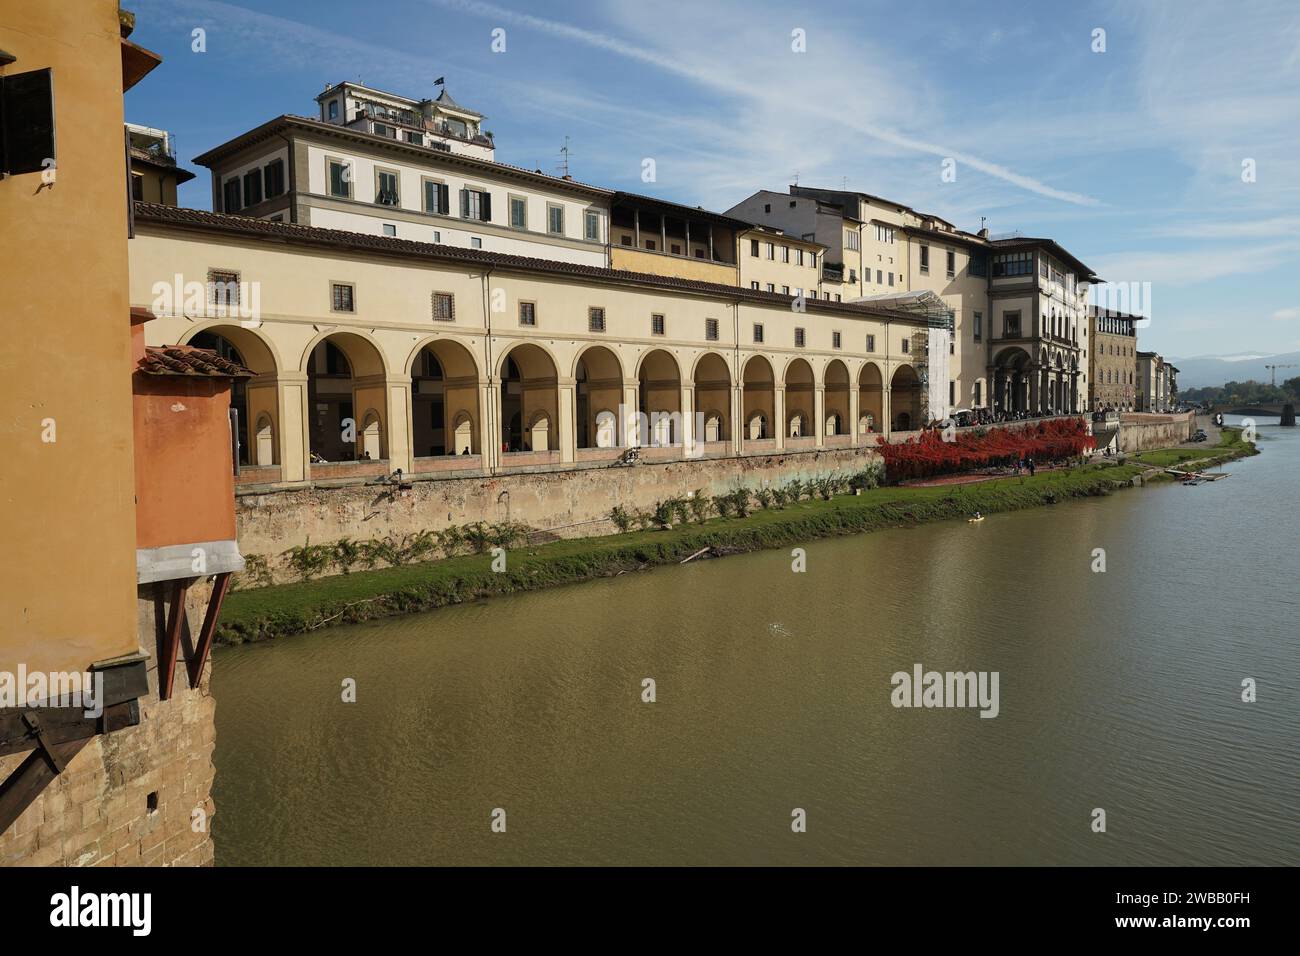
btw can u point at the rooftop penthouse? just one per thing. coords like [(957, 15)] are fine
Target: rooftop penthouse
[(440, 123)]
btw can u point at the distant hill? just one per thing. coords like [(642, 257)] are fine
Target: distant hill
[(1206, 370)]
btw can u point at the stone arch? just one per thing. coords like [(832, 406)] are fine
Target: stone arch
[(529, 398), (759, 391), (1009, 387), (659, 385), (799, 401), (835, 382), (256, 400), (445, 409), (905, 398), (597, 392), (346, 373), (712, 385)]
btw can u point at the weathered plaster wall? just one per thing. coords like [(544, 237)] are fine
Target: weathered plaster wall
[(1143, 432)]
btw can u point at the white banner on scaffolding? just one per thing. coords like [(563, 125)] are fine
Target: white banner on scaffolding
[(938, 361)]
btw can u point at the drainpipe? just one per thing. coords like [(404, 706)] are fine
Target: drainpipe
[(293, 181)]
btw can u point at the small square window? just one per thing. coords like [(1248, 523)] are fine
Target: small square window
[(656, 324), (758, 332), (528, 313), (342, 297), (444, 307), (223, 288), (390, 229), (475, 242), (595, 319), (711, 330)]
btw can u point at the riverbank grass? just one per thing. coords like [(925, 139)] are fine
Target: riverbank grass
[(284, 609)]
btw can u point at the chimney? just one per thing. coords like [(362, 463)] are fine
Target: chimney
[(984, 233)]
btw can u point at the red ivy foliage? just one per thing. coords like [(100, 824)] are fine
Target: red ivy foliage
[(928, 454)]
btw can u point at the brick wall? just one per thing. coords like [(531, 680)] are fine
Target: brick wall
[(96, 813)]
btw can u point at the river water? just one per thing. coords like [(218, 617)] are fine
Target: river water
[(1118, 690)]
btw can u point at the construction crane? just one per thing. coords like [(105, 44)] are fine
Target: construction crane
[(1273, 372)]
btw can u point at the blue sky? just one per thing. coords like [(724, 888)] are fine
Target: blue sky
[(1131, 158)]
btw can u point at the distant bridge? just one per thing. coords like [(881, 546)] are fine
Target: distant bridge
[(1285, 410)]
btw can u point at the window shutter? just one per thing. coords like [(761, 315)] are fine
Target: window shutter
[(487, 206), (464, 204), (444, 199)]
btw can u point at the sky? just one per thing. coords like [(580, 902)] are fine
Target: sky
[(1165, 150)]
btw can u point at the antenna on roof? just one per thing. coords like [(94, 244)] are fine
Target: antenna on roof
[(844, 182), (796, 177), (565, 155)]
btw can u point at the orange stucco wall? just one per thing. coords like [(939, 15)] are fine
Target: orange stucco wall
[(184, 484), (67, 515)]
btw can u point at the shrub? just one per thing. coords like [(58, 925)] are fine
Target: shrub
[(258, 570), (309, 559), (765, 497), (740, 500), (663, 513), (795, 489), (619, 515), (682, 508), (723, 505), (451, 540), (479, 536), (700, 506), (780, 496)]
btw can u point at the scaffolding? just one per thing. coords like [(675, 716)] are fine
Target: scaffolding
[(928, 346)]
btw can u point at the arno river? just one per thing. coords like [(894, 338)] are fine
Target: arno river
[(1118, 690)]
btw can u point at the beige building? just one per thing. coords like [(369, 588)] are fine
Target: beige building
[(1112, 361), (377, 164), (385, 354), (657, 237), (154, 172)]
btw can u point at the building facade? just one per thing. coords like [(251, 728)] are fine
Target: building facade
[(1112, 361), (381, 165)]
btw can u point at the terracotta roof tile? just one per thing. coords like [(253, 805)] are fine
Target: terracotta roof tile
[(189, 361)]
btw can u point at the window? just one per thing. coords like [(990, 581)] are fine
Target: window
[(1011, 325), (907, 346), (798, 257), (595, 320), (978, 265), (925, 260), (475, 204), (444, 307), (891, 278), (591, 226), (711, 330), (475, 242), (528, 313), (416, 138), (274, 176), (785, 253), (853, 277), (386, 187), (767, 207), (754, 286), (437, 198), (676, 249), (223, 287), (340, 179), (137, 187), (753, 248), (769, 250), (871, 343), (334, 109), (798, 338), (880, 277), (342, 297), (656, 324), (771, 287), (555, 220), (978, 395), (979, 326), (1013, 264), (837, 297), (812, 259), (390, 229), (518, 212), (785, 290), (952, 393), (230, 195), (381, 130), (758, 332), (884, 234), (437, 236), (626, 240), (851, 239), (650, 245), (952, 263), (836, 341)]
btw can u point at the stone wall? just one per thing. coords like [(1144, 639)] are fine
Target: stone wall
[(1141, 432), (568, 503), (128, 798)]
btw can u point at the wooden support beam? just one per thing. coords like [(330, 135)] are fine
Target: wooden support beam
[(204, 646), (58, 734), (171, 640)]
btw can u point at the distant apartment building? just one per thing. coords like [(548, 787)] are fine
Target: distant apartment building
[(1112, 361), (379, 164), (154, 171), (1014, 309), (1156, 383)]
